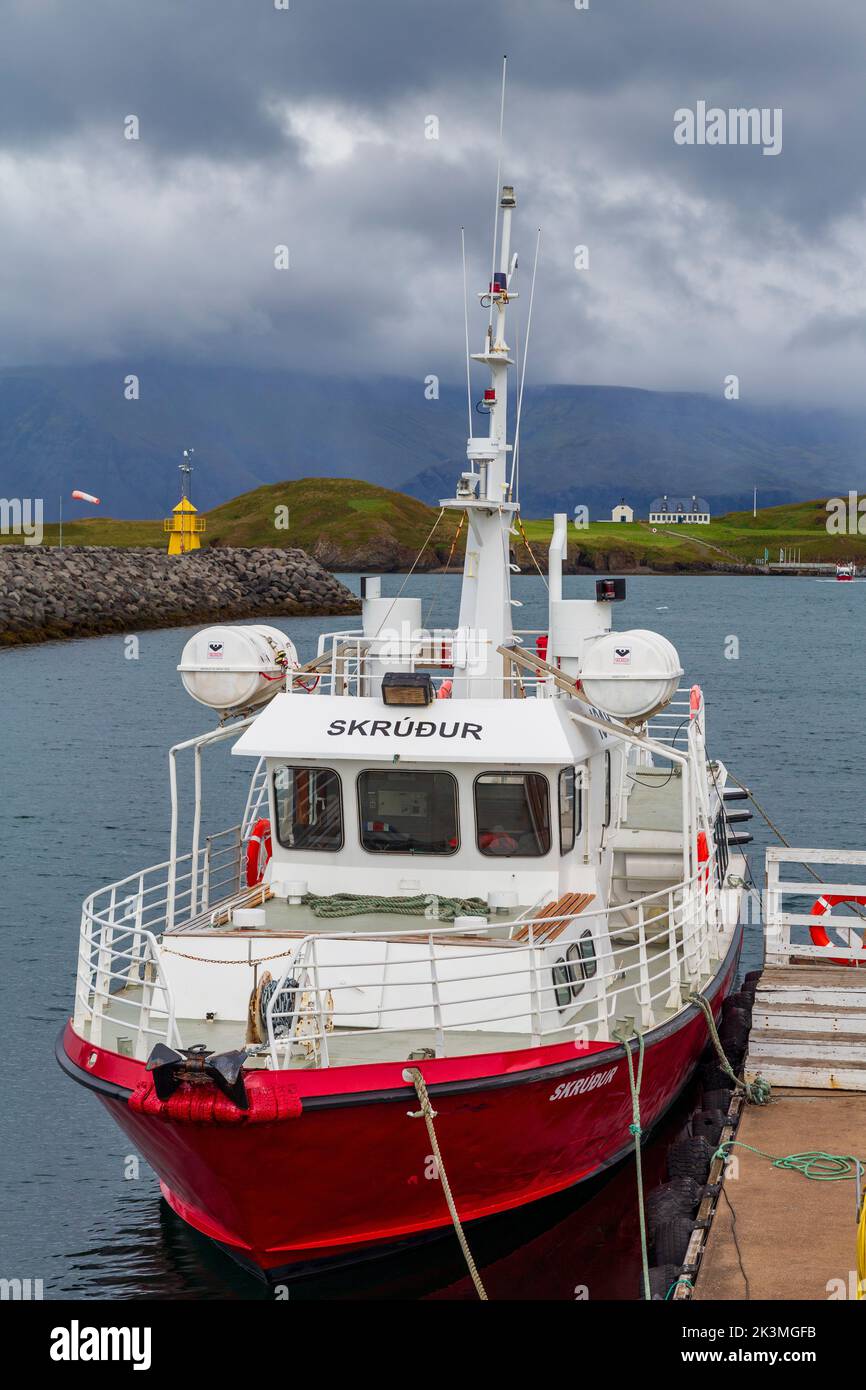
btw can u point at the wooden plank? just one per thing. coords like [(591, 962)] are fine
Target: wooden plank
[(788, 978), (803, 1072), (781, 998), (812, 1018), (554, 918), (820, 1047)]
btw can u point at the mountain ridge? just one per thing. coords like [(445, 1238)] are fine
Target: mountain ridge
[(68, 427)]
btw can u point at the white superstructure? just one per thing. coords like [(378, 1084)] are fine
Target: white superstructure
[(449, 834)]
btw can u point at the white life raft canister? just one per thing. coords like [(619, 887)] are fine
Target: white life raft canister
[(229, 668)]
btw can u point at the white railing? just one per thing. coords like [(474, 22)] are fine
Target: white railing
[(672, 725), (788, 920), (348, 662), (120, 978), (442, 980)]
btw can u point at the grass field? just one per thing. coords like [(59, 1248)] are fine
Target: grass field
[(351, 516)]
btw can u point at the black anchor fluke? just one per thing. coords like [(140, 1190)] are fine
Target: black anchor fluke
[(199, 1067)]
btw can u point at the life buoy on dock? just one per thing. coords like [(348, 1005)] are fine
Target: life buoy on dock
[(819, 934), (258, 851)]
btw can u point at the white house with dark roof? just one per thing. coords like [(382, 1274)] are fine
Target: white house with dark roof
[(668, 511)]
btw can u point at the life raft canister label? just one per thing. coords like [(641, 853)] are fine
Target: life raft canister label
[(583, 1084)]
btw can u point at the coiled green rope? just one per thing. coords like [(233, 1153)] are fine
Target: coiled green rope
[(815, 1165), (353, 904)]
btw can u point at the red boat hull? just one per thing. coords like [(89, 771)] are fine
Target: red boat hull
[(347, 1172)]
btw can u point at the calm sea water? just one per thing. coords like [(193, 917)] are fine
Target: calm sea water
[(84, 778)]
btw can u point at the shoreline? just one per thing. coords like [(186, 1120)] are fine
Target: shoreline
[(83, 591), (49, 594)]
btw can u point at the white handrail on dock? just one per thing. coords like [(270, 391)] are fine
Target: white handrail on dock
[(786, 929)]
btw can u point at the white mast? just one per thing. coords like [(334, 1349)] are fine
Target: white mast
[(483, 493)]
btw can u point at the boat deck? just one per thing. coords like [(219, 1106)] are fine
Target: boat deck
[(654, 800), (347, 1047)]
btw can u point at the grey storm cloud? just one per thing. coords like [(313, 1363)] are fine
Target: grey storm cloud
[(305, 127)]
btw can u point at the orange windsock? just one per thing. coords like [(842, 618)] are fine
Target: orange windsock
[(85, 497)]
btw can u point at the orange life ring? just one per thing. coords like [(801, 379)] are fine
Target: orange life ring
[(819, 934), (258, 851)]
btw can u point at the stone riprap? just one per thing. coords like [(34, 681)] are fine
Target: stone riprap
[(81, 591)]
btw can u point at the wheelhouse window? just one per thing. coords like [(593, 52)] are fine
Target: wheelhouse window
[(570, 809), (309, 808), (512, 814), (408, 812)]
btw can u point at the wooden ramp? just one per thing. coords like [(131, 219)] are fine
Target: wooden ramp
[(809, 1027)]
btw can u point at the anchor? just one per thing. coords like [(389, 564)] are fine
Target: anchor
[(200, 1067)]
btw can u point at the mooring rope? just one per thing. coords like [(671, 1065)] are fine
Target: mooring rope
[(429, 1114), (757, 1092), (815, 1164), (683, 1279), (635, 1128)]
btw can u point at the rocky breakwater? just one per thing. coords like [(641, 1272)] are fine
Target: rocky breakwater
[(82, 591)]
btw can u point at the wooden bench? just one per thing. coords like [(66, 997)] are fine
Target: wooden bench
[(552, 920)]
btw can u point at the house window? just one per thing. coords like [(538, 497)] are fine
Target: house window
[(309, 808), (408, 812), (512, 814)]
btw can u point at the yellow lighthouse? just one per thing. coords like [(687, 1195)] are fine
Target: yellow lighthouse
[(184, 526)]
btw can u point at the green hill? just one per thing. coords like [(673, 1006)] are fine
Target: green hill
[(348, 524)]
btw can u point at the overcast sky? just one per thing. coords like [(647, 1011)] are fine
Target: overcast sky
[(306, 127)]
